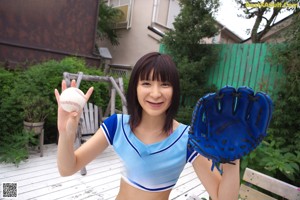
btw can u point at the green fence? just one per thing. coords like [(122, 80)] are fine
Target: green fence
[(245, 65)]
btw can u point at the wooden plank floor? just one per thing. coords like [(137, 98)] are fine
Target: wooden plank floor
[(38, 178)]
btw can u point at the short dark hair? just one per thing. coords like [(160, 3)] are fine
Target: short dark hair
[(164, 69)]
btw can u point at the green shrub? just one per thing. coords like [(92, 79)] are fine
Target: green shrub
[(6, 81), (279, 154), (39, 81), (10, 112), (35, 108), (184, 114), (14, 147), (273, 161)]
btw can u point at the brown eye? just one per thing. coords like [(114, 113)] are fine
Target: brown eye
[(145, 83), (166, 84)]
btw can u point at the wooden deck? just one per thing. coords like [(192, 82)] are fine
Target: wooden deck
[(38, 178)]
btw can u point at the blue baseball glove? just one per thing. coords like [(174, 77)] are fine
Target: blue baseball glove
[(229, 124)]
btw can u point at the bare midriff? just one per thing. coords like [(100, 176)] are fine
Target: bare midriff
[(128, 192)]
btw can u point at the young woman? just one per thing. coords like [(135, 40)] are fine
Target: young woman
[(149, 141)]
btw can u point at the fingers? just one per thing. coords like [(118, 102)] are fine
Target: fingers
[(89, 93), (227, 99), (244, 103), (56, 95), (63, 85), (261, 112), (73, 84)]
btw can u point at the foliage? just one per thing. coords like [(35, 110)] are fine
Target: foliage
[(40, 80), (10, 116), (108, 17), (288, 53), (184, 114), (186, 108), (37, 83), (279, 155), (274, 161), (6, 80), (35, 108), (286, 117), (185, 43), (285, 127), (31, 95), (265, 13), (14, 148)]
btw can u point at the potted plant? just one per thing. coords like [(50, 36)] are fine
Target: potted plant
[(36, 108), (35, 111)]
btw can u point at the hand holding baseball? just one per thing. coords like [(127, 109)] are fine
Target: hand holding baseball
[(70, 104), (72, 99)]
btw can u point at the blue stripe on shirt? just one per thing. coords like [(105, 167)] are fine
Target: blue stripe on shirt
[(110, 126)]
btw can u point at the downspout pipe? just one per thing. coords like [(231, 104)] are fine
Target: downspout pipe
[(156, 31), (154, 11)]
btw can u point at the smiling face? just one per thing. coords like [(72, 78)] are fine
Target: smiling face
[(154, 96), (153, 89)]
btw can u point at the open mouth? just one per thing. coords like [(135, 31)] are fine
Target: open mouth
[(155, 104)]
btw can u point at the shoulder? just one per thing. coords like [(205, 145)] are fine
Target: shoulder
[(183, 127), (111, 125), (191, 154), (116, 118)]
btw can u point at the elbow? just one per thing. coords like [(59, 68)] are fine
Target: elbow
[(65, 172)]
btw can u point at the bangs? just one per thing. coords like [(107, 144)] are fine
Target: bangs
[(158, 70), (153, 67)]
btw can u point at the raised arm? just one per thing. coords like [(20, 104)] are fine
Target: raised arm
[(70, 161)]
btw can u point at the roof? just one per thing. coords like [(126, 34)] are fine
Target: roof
[(229, 32)]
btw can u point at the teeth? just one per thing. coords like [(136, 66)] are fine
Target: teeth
[(155, 102)]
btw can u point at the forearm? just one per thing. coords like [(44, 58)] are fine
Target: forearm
[(67, 124), (230, 182), (66, 159)]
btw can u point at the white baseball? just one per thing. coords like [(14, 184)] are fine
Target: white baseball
[(72, 99)]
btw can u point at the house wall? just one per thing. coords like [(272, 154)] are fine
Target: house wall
[(138, 40), (223, 37), (277, 32), (162, 12), (35, 31), (227, 37), (135, 41)]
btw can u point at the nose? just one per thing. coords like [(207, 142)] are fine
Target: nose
[(155, 91)]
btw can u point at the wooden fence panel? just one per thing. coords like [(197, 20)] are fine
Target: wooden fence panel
[(245, 65), (237, 66)]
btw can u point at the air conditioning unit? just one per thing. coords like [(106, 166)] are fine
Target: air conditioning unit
[(123, 22)]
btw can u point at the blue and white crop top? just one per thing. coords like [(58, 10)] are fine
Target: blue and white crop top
[(154, 167)]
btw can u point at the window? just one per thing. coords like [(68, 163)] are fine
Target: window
[(116, 3), (166, 11), (126, 7)]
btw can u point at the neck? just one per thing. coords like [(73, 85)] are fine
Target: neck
[(153, 122), (150, 129)]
